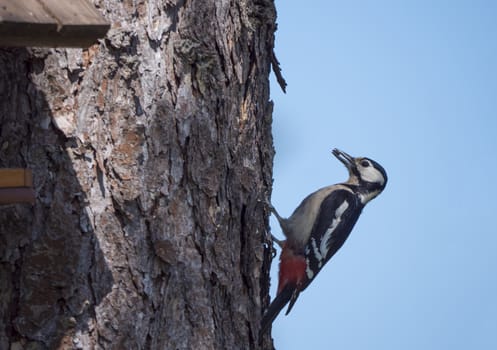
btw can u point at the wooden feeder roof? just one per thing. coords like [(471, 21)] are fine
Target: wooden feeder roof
[(50, 23)]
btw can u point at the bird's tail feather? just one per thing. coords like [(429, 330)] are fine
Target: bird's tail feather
[(274, 309), (292, 302)]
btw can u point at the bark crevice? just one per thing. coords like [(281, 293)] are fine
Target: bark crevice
[(152, 151)]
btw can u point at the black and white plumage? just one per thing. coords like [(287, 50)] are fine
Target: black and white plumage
[(319, 227)]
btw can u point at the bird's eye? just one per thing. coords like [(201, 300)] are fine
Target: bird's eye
[(365, 163)]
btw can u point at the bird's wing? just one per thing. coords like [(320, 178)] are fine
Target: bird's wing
[(337, 216)]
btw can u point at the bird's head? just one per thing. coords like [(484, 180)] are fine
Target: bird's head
[(369, 176)]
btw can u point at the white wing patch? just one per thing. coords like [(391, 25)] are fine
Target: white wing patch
[(321, 253), (317, 252), (308, 271)]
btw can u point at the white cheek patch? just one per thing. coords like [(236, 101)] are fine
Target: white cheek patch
[(371, 174)]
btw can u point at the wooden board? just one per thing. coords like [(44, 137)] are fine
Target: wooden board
[(17, 195), (16, 178), (53, 23), (16, 186)]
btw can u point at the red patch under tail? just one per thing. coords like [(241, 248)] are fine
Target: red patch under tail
[(292, 269)]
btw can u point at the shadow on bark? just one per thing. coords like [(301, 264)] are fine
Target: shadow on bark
[(52, 270)]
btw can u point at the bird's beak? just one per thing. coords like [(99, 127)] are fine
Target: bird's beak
[(345, 158)]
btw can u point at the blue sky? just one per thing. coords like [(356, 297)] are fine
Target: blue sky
[(412, 85)]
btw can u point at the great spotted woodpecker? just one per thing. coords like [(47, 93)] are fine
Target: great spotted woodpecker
[(319, 227)]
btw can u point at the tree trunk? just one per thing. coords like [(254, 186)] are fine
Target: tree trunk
[(152, 156)]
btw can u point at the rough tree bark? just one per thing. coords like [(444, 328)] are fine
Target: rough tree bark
[(151, 152)]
